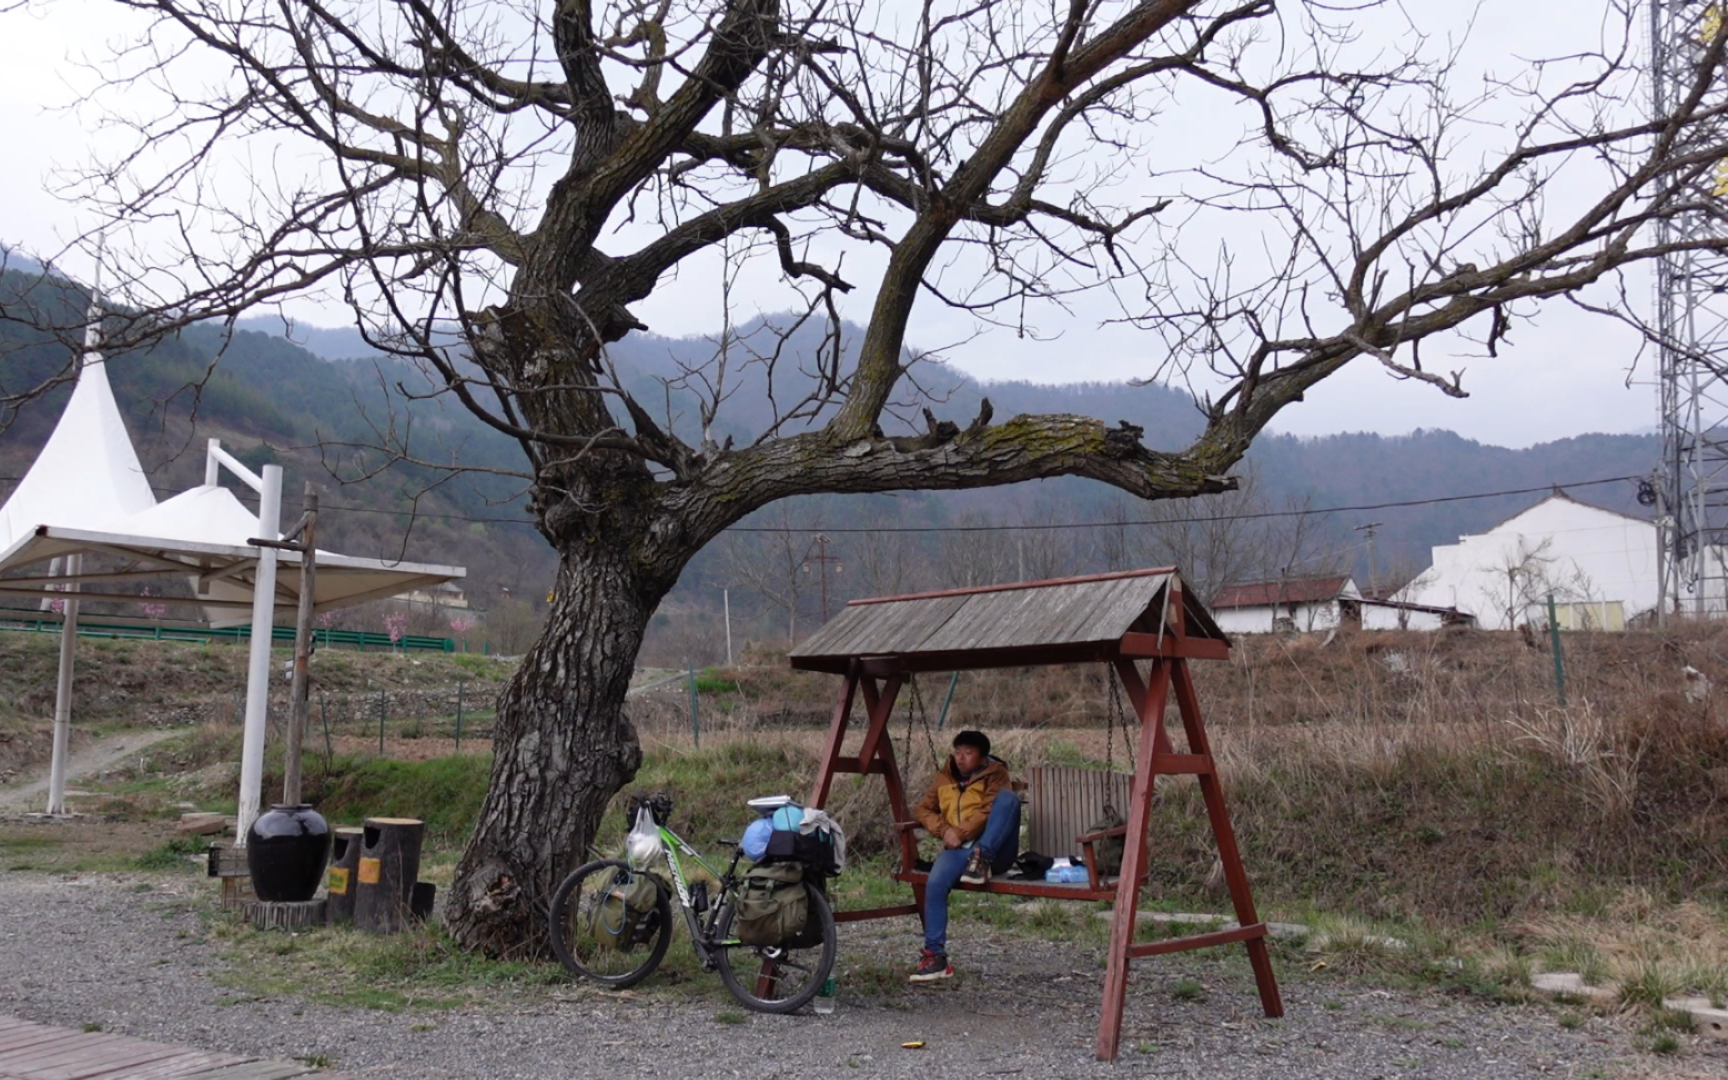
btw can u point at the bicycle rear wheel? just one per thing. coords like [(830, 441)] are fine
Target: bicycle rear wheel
[(776, 979), (604, 928)]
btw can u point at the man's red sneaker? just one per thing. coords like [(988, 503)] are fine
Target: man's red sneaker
[(932, 966)]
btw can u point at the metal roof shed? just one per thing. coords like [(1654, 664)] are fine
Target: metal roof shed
[(1116, 619)]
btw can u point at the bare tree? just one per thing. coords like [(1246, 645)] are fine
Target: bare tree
[(1046, 551), (494, 187), (513, 625), (889, 563), (1227, 539), (1525, 576), (979, 552), (1221, 541), (772, 563)]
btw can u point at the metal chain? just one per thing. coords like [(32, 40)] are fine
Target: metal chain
[(929, 733), (909, 711), (1117, 718), (915, 710)]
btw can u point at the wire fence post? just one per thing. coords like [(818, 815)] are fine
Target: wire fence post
[(329, 746), (1559, 661), (383, 709), (695, 724), (461, 685)]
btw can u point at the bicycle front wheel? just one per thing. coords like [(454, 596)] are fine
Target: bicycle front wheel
[(611, 923), (777, 979)]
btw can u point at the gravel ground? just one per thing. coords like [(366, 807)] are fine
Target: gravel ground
[(140, 960)]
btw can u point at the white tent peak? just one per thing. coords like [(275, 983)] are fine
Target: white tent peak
[(87, 474), (207, 514)]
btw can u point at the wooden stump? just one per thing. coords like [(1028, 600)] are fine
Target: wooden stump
[(344, 862), (286, 914), (421, 900), (389, 863), (228, 862)]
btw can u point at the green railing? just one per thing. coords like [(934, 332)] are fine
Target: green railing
[(353, 639)]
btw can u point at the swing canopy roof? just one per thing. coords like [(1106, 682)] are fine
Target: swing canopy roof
[(1061, 621)]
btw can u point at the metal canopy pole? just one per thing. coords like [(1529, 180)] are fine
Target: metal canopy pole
[(63, 691), (258, 661), (74, 566)]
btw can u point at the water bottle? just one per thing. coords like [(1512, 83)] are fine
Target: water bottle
[(824, 1003)]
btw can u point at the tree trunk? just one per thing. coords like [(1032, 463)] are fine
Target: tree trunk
[(561, 749)]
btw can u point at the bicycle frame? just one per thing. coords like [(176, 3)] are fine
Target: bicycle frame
[(672, 845)]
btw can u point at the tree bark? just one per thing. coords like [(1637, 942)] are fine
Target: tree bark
[(562, 748)]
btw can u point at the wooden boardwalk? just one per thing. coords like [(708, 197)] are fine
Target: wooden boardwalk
[(30, 1051)]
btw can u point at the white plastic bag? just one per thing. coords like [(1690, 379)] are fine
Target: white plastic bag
[(643, 843)]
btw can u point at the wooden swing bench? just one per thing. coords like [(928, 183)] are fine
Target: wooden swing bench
[(1114, 619), (1058, 806)]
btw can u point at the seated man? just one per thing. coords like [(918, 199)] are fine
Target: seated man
[(977, 816)]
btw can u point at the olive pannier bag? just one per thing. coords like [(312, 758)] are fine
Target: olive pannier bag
[(627, 914), (772, 905)]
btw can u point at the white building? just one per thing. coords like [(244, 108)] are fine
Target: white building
[(1301, 604), (1599, 565)]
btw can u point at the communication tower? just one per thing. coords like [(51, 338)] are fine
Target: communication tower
[(1690, 489)]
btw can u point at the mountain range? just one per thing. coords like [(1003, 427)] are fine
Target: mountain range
[(318, 400)]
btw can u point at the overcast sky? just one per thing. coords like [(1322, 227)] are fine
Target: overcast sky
[(1566, 374)]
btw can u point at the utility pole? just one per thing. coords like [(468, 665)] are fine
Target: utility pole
[(1369, 529), (726, 602), (304, 540), (822, 559)]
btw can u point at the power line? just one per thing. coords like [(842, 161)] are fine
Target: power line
[(1218, 517), (1042, 526)]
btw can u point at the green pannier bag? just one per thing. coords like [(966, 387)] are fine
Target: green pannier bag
[(772, 905), (628, 911)]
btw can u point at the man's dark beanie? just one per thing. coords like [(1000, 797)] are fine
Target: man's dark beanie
[(973, 738)]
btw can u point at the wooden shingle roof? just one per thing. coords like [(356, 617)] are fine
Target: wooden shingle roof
[(1068, 619)]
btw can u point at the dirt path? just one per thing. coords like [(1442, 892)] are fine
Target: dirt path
[(102, 754)]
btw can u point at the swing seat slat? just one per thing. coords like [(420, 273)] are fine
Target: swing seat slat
[(1055, 890)]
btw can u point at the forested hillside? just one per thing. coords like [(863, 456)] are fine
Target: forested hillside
[(354, 420)]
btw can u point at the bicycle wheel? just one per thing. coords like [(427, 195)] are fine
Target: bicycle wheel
[(776, 979), (605, 929)]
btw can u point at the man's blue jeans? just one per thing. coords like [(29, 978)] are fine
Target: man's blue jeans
[(1001, 843)]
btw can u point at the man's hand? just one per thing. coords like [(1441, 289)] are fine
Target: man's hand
[(951, 838)]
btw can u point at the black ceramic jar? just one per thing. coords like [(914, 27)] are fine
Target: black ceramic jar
[(286, 850)]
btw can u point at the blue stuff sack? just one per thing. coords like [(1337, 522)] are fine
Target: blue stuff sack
[(789, 818), (756, 838)]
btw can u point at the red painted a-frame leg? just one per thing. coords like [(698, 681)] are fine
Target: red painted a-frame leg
[(1148, 701), (1212, 790)]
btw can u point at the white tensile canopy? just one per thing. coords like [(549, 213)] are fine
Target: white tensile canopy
[(201, 535), (87, 494)]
